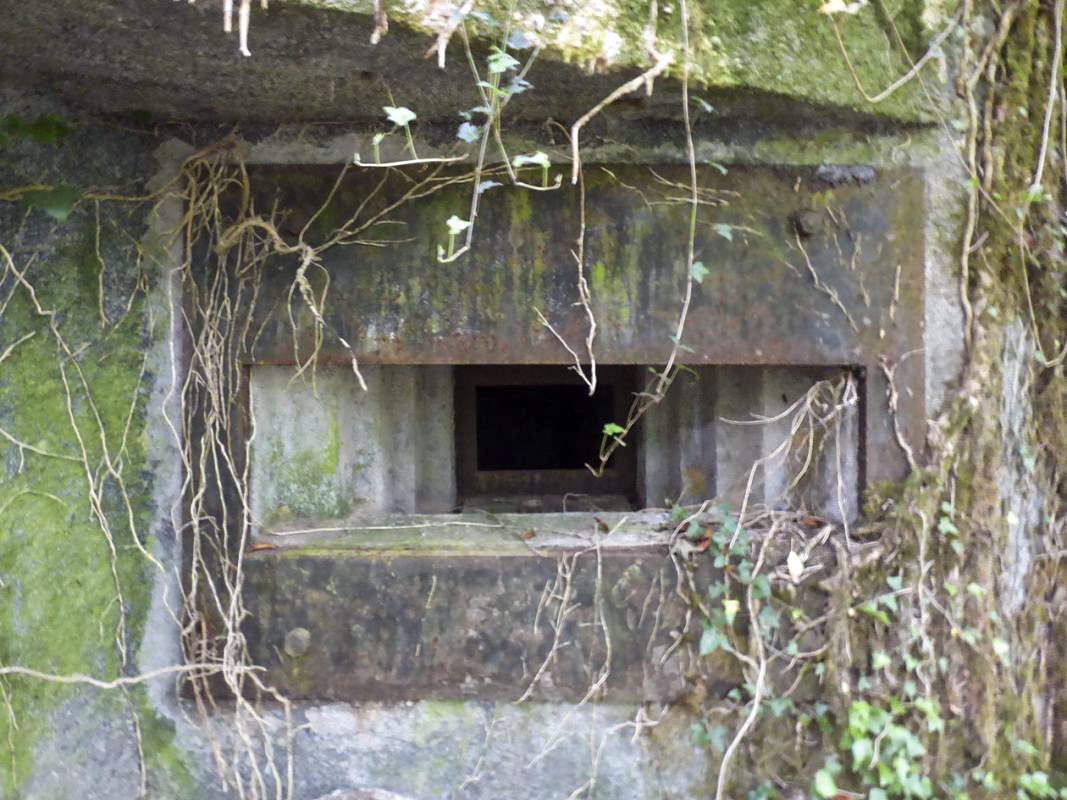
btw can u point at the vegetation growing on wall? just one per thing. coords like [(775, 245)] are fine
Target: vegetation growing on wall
[(930, 664)]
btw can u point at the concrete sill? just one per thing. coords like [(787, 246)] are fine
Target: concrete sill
[(473, 534), (408, 607)]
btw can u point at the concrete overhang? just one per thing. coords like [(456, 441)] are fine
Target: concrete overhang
[(776, 61)]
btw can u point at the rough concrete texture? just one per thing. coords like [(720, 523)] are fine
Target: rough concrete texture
[(471, 625), (324, 449), (494, 750), (849, 293), (95, 738), (313, 59), (327, 453), (155, 60), (484, 750)]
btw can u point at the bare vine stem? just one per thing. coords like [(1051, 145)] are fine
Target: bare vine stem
[(662, 61), (933, 49)]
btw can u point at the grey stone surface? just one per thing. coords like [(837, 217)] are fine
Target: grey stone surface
[(325, 452), (92, 753), (419, 624), (480, 750), (361, 794), (127, 56), (313, 60), (324, 449)]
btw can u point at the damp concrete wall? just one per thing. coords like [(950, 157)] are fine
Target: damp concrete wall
[(60, 578), (325, 452), (423, 749)]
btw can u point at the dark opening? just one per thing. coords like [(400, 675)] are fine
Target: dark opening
[(539, 427)]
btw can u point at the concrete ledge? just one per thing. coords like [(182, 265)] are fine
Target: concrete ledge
[(371, 616), (473, 533)]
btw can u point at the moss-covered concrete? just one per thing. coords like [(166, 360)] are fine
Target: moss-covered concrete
[(782, 47), (75, 486), (56, 587)]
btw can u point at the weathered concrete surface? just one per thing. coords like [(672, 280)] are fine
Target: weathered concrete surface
[(126, 56), (845, 291), (469, 625), (313, 59), (324, 449), (325, 453), (486, 750), (760, 303), (59, 610)]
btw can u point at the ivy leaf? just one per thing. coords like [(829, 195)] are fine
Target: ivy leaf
[(875, 612), (862, 750), (730, 607), (398, 115), (519, 41), (824, 784), (761, 588), (717, 590), (537, 159), (711, 640), (717, 737), (499, 61), (724, 230), (699, 734), (469, 133), (681, 347), (768, 618), (518, 85), (744, 571), (889, 601), (947, 527), (699, 272), (456, 225), (56, 202)]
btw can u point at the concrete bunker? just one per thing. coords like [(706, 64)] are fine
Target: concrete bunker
[(401, 619), (815, 280)]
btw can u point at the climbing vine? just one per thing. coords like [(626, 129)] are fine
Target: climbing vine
[(920, 648)]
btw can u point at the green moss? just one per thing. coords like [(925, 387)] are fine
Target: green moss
[(59, 606), (171, 776), (521, 211), (783, 47), (306, 485)]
